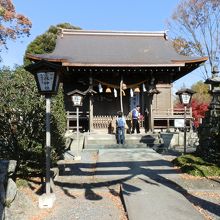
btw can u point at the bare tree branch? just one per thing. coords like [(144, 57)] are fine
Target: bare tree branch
[(197, 23)]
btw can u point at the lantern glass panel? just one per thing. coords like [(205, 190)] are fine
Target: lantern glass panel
[(77, 100), (185, 98), (46, 80)]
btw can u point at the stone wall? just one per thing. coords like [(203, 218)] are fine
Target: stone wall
[(8, 188)]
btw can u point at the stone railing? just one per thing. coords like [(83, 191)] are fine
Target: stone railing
[(8, 188)]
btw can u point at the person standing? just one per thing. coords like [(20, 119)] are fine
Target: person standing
[(120, 124), (135, 119)]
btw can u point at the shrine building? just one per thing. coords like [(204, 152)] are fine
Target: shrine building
[(116, 70)]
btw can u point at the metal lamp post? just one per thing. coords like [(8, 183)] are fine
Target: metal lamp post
[(185, 96), (47, 79)]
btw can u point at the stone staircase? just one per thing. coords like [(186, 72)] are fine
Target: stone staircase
[(108, 141), (98, 140)]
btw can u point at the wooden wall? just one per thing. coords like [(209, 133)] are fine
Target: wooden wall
[(162, 102)]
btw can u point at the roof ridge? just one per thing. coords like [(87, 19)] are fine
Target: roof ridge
[(110, 33)]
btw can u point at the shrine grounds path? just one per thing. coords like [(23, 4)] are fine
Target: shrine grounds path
[(146, 182)]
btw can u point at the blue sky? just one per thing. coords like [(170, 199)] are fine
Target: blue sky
[(130, 15)]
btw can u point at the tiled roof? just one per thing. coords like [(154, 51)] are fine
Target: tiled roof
[(115, 48)]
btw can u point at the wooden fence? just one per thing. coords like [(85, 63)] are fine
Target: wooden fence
[(108, 122)]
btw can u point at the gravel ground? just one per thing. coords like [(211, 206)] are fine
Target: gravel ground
[(97, 204), (206, 203), (71, 204), (75, 205)]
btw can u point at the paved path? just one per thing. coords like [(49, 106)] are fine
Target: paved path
[(148, 187), (151, 187)]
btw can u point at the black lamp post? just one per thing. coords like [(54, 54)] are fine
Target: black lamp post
[(47, 78), (185, 96)]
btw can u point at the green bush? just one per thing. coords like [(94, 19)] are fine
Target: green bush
[(196, 166), (22, 122)]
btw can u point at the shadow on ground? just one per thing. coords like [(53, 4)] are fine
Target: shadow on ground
[(91, 176)]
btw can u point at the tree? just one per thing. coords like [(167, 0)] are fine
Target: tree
[(22, 114), (198, 111), (195, 24), (19, 105), (202, 94), (12, 24), (22, 122), (200, 101), (46, 42)]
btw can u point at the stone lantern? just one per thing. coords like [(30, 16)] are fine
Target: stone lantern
[(209, 131)]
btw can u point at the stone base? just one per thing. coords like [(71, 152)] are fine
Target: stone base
[(47, 201)]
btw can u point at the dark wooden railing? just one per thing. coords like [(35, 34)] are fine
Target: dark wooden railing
[(162, 119)]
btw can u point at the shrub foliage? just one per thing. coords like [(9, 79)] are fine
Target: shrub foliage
[(22, 122)]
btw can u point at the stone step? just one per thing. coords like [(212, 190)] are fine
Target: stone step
[(108, 141), (116, 146), (130, 139)]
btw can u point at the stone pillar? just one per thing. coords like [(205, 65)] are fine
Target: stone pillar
[(8, 188)]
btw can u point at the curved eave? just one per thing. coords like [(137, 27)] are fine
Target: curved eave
[(197, 60), (66, 62), (37, 57)]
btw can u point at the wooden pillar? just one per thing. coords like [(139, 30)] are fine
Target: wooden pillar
[(90, 113), (91, 106), (151, 121), (121, 100), (146, 110)]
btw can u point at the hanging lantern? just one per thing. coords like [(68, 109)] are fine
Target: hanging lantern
[(143, 87), (115, 93), (131, 93), (137, 89), (108, 90), (100, 88)]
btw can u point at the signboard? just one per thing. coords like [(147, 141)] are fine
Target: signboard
[(179, 123), (77, 100), (45, 80)]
